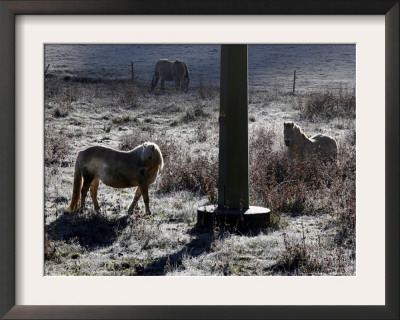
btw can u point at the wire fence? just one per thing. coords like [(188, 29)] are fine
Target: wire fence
[(297, 83)]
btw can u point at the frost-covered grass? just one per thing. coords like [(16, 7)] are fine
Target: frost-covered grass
[(312, 229)]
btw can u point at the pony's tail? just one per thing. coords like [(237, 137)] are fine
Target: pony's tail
[(76, 189), (156, 75), (186, 76)]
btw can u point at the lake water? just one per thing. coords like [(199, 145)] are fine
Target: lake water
[(318, 66)]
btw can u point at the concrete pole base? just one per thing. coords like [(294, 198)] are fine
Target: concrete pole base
[(251, 219)]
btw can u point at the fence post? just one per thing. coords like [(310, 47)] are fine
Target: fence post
[(45, 72), (294, 82)]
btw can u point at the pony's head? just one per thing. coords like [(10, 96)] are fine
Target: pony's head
[(288, 132), (151, 158), (292, 134)]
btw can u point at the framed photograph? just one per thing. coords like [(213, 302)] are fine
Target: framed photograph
[(88, 91)]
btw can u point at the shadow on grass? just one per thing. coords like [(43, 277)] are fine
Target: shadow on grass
[(92, 230), (202, 242)]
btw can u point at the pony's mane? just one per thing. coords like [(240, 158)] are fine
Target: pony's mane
[(157, 153), (300, 131)]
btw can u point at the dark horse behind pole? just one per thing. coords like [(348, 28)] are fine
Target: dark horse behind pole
[(176, 71)]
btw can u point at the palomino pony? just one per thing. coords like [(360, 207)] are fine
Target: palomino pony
[(300, 145), (118, 169), (176, 71)]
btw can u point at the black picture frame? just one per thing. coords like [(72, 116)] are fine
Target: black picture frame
[(8, 10)]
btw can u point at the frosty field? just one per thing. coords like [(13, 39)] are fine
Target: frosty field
[(312, 230)]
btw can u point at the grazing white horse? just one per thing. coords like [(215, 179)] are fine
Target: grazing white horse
[(118, 169), (176, 71)]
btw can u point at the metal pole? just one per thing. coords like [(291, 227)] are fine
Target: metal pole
[(233, 186), (233, 209)]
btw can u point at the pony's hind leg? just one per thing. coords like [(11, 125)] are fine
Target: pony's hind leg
[(87, 181), (76, 189), (93, 193), (154, 82), (136, 198)]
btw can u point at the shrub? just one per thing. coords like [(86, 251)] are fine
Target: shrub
[(201, 132), (328, 105), (343, 192), (52, 87), (59, 113), (181, 170), (302, 258), (195, 114), (122, 120), (275, 182), (207, 91), (301, 186), (56, 147), (125, 93)]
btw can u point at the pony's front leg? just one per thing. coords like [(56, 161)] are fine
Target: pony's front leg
[(136, 198), (177, 84), (145, 192)]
